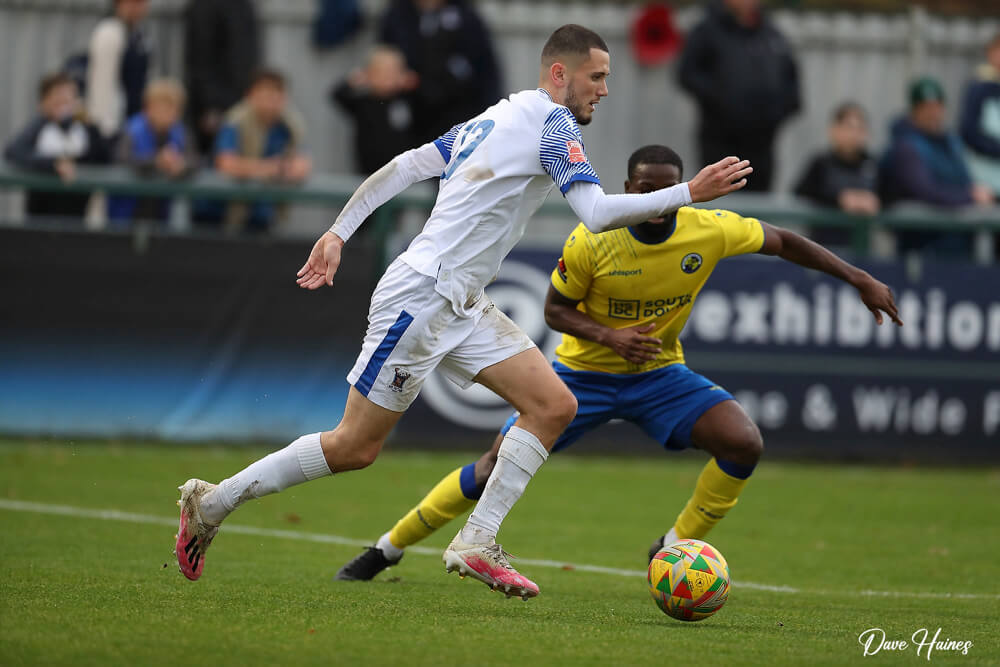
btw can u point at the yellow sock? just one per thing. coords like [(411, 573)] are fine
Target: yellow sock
[(445, 501), (714, 495)]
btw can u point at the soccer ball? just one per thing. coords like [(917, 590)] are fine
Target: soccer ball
[(689, 580)]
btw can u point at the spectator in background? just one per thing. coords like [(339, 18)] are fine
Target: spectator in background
[(118, 66), (447, 44), (261, 139), (154, 142), (221, 52), (924, 163), (980, 124), (54, 141), (380, 99), (845, 175), (742, 73)]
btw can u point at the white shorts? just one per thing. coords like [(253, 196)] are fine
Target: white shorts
[(412, 330)]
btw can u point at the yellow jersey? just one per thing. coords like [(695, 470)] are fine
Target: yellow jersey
[(621, 281)]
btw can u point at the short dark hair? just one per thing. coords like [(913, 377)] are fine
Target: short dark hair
[(571, 39), (270, 76), (655, 154), (845, 109), (50, 81)]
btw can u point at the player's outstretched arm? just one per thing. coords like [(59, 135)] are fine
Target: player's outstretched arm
[(403, 171), (630, 343), (323, 262), (716, 180), (798, 249), (602, 212)]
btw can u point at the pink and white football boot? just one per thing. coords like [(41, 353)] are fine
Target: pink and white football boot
[(194, 534), (488, 563)]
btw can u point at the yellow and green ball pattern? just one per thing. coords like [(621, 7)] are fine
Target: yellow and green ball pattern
[(689, 580)]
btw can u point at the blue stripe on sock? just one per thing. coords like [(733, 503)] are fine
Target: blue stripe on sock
[(735, 469), (364, 383), (467, 479)]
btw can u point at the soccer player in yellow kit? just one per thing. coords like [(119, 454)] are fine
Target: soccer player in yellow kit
[(621, 299)]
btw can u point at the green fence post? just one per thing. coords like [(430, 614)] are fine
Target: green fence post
[(861, 233)]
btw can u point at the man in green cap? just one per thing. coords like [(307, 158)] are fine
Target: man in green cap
[(925, 163)]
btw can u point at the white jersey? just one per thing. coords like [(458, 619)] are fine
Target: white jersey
[(501, 165)]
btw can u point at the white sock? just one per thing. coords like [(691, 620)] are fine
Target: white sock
[(520, 456), (299, 462), (389, 550), (670, 537)]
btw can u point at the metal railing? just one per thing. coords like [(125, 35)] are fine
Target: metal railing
[(333, 190)]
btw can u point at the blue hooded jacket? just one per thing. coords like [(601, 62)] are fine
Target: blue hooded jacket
[(143, 146), (925, 167)]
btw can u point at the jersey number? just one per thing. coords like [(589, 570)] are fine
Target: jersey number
[(471, 136)]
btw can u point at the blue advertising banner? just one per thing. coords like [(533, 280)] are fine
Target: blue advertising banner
[(205, 340), (174, 338), (806, 359)]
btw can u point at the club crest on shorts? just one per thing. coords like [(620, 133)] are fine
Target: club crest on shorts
[(691, 262), (402, 376)]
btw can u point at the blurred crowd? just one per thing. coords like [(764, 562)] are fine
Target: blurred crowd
[(435, 66), (742, 72)]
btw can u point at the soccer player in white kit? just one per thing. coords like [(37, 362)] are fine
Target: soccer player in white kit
[(429, 310)]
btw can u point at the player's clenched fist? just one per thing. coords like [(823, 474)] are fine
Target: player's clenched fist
[(322, 263), (725, 176)]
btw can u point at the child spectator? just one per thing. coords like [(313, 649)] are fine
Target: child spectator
[(55, 141), (844, 176), (380, 99), (261, 139), (117, 66), (154, 142)]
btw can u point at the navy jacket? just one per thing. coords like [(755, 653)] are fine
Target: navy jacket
[(977, 132), (221, 51), (925, 167), (452, 51), (745, 79)]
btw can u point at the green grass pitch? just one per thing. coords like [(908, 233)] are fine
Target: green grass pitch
[(819, 553)]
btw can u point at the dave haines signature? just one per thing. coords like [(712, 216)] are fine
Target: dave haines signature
[(874, 640)]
